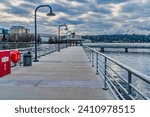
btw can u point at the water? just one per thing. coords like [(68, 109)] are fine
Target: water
[(138, 59)]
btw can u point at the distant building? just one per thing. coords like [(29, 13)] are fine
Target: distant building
[(19, 30), (4, 33), (74, 39)]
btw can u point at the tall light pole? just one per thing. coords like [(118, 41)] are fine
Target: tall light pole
[(66, 38), (35, 36), (59, 35)]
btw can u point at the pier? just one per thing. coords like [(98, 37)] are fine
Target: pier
[(60, 75), (74, 72), (126, 46)]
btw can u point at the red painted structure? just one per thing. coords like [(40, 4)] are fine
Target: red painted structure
[(5, 62), (15, 56)]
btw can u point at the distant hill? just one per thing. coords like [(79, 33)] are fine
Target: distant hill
[(118, 38)]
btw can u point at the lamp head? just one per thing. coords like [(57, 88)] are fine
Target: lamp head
[(66, 28), (73, 35), (51, 14)]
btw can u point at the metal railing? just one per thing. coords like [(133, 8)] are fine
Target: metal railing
[(124, 82), (14, 45), (42, 50)]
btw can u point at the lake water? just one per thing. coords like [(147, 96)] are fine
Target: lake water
[(138, 59)]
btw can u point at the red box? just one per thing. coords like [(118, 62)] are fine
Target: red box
[(5, 67)]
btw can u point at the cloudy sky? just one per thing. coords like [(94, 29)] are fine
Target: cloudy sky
[(82, 16)]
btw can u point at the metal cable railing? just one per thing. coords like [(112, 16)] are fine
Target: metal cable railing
[(41, 51), (123, 84)]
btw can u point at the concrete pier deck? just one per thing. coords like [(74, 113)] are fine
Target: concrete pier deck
[(65, 75)]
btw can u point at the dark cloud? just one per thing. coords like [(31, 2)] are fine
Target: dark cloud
[(34, 1), (62, 8), (4, 1), (18, 10), (136, 10), (101, 25), (110, 1), (102, 10), (27, 5), (132, 7), (69, 21), (80, 1)]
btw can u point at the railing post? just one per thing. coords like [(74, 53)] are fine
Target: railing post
[(49, 49), (92, 58), (38, 52), (105, 73), (90, 55), (129, 82), (20, 60), (16, 45), (96, 63), (87, 53), (45, 50), (55, 49)]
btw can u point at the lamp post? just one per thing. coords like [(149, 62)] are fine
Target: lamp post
[(66, 38), (35, 36), (59, 35)]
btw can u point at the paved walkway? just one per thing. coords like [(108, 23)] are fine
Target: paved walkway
[(60, 75)]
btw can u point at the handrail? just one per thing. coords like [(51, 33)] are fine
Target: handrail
[(129, 85), (41, 51), (135, 72)]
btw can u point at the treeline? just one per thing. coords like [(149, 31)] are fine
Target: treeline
[(19, 38), (54, 39), (118, 38), (13, 41)]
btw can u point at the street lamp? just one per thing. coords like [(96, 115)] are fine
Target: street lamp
[(66, 38), (48, 14), (59, 35)]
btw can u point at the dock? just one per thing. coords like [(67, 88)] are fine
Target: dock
[(64, 75)]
